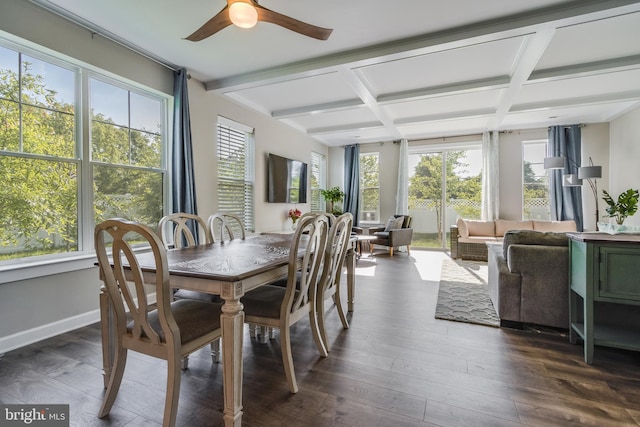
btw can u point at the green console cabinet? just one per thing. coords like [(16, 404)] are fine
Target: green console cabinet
[(603, 268)]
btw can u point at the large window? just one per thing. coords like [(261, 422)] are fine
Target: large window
[(369, 188), (318, 181), (236, 170), (535, 182), (54, 188)]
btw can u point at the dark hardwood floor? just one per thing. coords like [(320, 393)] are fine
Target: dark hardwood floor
[(396, 366)]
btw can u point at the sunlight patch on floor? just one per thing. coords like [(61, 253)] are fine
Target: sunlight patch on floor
[(429, 264)]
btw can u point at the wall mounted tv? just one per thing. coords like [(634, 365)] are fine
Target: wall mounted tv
[(286, 180)]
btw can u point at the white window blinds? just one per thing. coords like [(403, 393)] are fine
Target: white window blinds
[(236, 170), (318, 181)]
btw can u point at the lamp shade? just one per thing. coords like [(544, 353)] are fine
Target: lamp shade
[(571, 180), (590, 172), (555, 162), (243, 15)]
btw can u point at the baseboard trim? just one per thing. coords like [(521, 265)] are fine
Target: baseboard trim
[(49, 330)]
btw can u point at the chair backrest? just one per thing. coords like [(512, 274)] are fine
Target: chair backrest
[(224, 226), (134, 297), (309, 240), (180, 230), (406, 223), (335, 252)]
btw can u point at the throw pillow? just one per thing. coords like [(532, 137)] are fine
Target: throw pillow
[(394, 223)]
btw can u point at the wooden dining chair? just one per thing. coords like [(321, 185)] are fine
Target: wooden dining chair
[(179, 230), (329, 283), (171, 331), (222, 226), (280, 307)]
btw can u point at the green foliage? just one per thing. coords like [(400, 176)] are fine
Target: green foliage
[(333, 195), (625, 206), (40, 165)]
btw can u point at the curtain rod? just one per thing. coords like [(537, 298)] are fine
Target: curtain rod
[(95, 30)]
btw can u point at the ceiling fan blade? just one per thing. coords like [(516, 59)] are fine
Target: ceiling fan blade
[(309, 30), (212, 26)]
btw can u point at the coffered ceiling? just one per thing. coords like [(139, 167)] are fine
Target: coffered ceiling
[(403, 69)]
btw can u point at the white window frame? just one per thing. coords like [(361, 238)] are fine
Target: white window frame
[(376, 219), (84, 258)]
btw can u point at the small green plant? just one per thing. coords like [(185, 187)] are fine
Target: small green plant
[(625, 206), (333, 195)]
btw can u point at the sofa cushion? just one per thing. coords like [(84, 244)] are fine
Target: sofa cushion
[(470, 227), (532, 237), (478, 239), (565, 226), (504, 225)]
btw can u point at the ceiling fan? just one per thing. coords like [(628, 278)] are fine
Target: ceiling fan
[(246, 13)]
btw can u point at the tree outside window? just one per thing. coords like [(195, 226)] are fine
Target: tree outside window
[(44, 195)]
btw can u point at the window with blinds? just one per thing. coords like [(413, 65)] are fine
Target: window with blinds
[(318, 181), (236, 171)]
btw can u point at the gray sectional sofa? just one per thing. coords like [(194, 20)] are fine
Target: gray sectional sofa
[(528, 276)]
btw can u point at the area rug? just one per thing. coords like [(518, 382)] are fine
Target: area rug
[(463, 295)]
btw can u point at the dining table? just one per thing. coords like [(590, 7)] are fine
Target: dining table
[(229, 269)]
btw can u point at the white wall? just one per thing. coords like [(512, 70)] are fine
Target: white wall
[(270, 137), (624, 151), (34, 309)]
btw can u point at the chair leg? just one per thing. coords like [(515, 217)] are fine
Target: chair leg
[(338, 302), (390, 250), (215, 350), (287, 358), (272, 333), (316, 320), (185, 363), (408, 250), (119, 363), (262, 334), (173, 392), (253, 332)]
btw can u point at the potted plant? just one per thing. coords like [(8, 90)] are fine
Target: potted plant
[(333, 195), (625, 206)]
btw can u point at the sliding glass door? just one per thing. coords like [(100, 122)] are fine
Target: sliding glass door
[(443, 185)]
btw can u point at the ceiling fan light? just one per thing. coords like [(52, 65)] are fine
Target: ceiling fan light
[(243, 14)]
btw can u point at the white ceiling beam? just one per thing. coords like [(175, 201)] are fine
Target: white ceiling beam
[(358, 83), (446, 116), (578, 101), (531, 50), (449, 89), (318, 108), (588, 68), (349, 127)]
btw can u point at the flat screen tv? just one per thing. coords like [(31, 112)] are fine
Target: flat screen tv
[(286, 180)]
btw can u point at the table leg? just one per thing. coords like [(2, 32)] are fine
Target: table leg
[(232, 320), (351, 278), (588, 332), (573, 317)]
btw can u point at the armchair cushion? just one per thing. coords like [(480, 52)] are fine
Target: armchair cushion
[(394, 223)]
